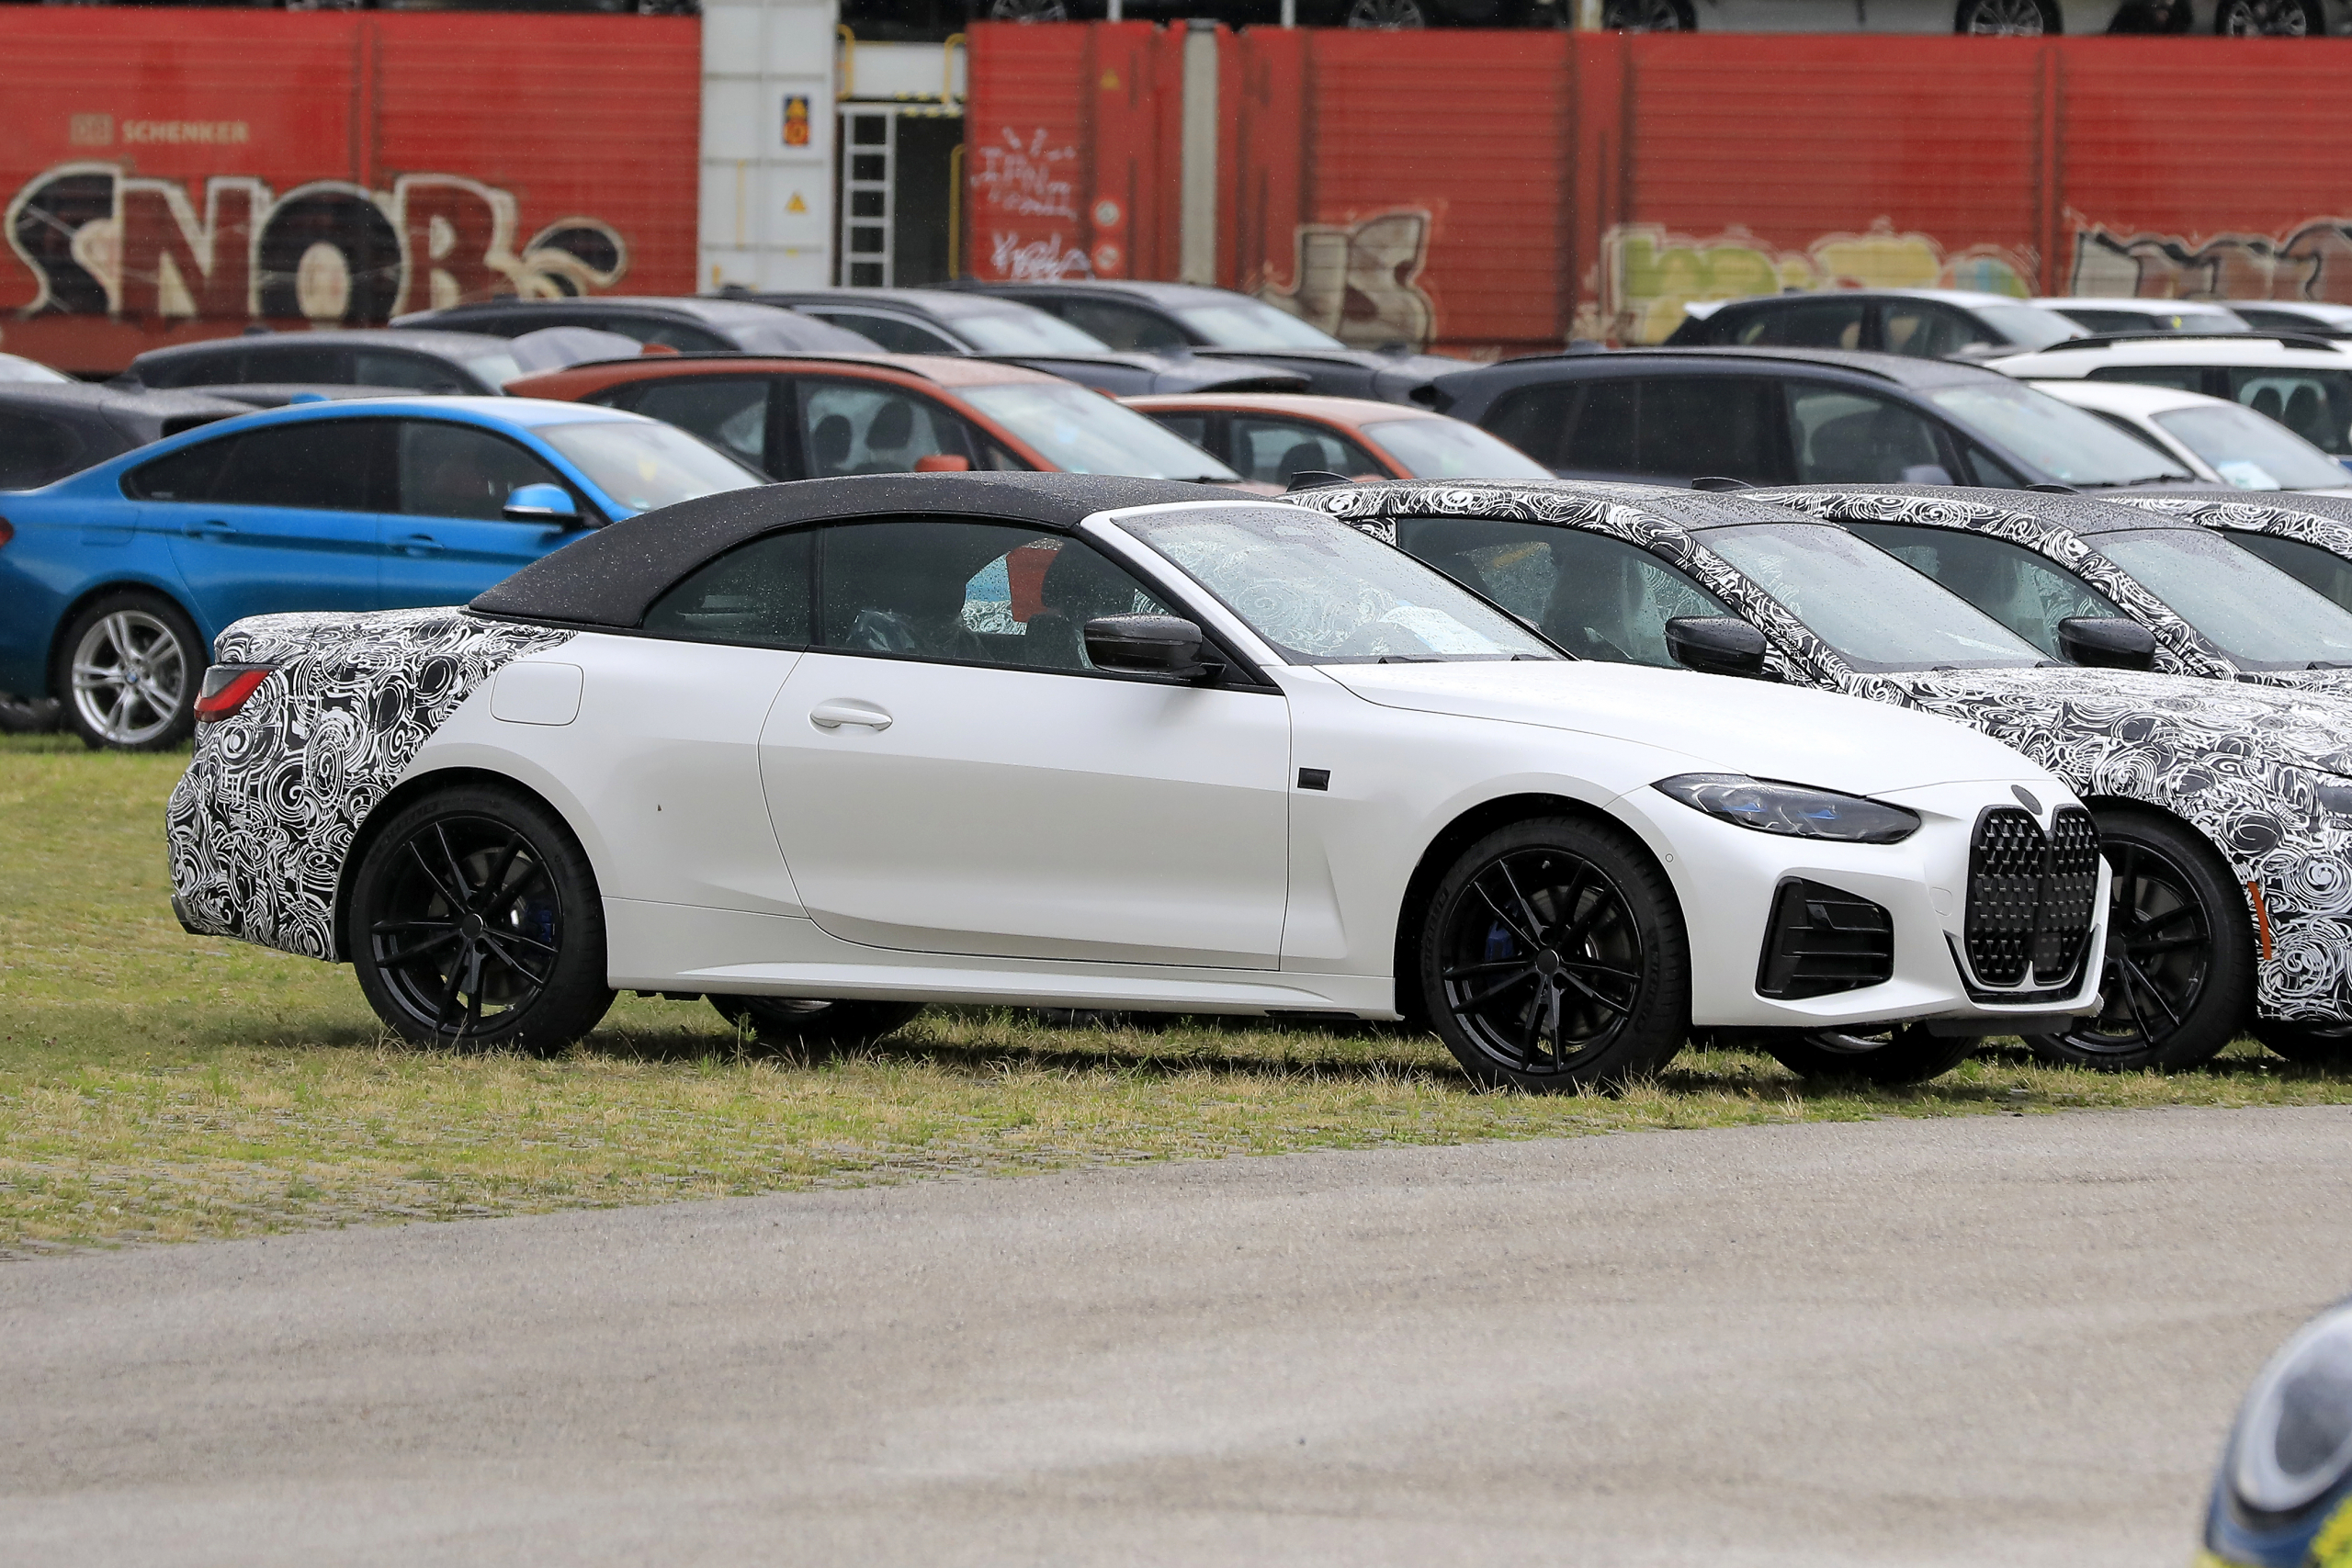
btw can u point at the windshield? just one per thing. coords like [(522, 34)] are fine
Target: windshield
[(16, 367), (2061, 440), (1024, 331), (642, 465), (1876, 612), (1323, 593), (1080, 432), (1449, 449), (1244, 322), (2251, 451), (2257, 614), (2027, 325), (493, 369)]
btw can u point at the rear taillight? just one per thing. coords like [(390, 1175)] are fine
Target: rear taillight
[(225, 689)]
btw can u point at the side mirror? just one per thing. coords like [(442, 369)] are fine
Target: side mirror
[(941, 463), (1715, 645), (2106, 642), (541, 503), (1147, 645)]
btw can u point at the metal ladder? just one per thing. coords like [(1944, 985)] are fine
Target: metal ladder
[(869, 169)]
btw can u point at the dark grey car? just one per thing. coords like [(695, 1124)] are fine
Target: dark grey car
[(49, 430), (1179, 318), (392, 359), (935, 321), (1787, 416), (689, 325), (1922, 324)]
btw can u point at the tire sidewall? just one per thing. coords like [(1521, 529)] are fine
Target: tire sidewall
[(194, 658), (1912, 1056), (576, 995), (1662, 1016)]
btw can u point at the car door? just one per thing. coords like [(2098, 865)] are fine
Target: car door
[(948, 773), (445, 534), (277, 518)]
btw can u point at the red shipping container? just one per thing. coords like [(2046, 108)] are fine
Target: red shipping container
[(178, 173)]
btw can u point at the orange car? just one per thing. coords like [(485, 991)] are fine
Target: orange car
[(810, 416), (1272, 438)]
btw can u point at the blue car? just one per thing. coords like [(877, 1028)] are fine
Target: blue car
[(114, 581)]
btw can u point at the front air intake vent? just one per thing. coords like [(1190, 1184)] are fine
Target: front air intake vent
[(2030, 896), (1823, 940)]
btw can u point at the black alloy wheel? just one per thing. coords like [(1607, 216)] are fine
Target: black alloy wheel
[(2003, 18), (128, 670), (1891, 1056), (807, 1024), (2179, 972), (2268, 18), (1553, 957), (476, 923)]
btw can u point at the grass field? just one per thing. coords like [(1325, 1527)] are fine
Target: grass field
[(157, 1087)]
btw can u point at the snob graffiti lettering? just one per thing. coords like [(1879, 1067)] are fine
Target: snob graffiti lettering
[(101, 240)]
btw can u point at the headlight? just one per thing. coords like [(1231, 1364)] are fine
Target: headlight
[(1794, 809), (2293, 1442)]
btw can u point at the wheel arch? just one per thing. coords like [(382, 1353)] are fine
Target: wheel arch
[(416, 787), (1466, 828), (54, 658), (2256, 916)]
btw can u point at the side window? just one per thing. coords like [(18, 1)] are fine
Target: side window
[(2008, 582), (1922, 330), (2134, 431), (320, 464), (217, 367), (1193, 427), (1598, 597), (1689, 426), (1536, 419), (755, 594), (34, 450), (2315, 404), (1828, 322), (2320, 570), (849, 427), (459, 470), (411, 372), (2179, 377), (1842, 436), (324, 367), (185, 474), (893, 332), (731, 413), (972, 592), (1276, 451), (1121, 326), (1983, 468)]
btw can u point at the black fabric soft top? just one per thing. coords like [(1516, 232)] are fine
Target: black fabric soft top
[(611, 577)]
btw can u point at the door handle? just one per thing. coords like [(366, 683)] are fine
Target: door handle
[(417, 544), (832, 714), (211, 528)]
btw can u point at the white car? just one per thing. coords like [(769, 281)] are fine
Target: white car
[(2320, 318), (825, 751), (2099, 313), (2221, 442), (2309, 390)]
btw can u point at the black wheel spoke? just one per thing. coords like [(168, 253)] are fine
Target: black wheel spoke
[(1594, 966), (1496, 966), (497, 944), (449, 993), (465, 892), (455, 901), (1603, 999), (1470, 1003), (1526, 939), (417, 950), (2168, 944), (2136, 973), (1527, 910)]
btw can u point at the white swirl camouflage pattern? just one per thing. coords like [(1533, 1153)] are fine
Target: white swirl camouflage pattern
[(2244, 765), (260, 824)]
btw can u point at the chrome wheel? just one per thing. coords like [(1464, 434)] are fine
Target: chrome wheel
[(2263, 19), (1390, 15), (2002, 18), (130, 678)]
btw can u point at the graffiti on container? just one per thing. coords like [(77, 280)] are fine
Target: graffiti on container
[(1018, 260), (1647, 276), (2312, 261), (100, 241), (1358, 281), (1028, 177)]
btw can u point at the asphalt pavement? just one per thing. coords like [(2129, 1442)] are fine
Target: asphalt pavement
[(2003, 1339)]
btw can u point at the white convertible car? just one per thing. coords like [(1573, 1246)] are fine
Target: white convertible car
[(826, 751)]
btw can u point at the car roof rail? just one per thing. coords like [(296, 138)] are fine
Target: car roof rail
[(1719, 481), (2101, 340)]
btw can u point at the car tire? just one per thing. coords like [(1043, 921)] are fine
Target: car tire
[(2004, 18), (791, 1022), (1646, 16), (1551, 957), (1387, 16), (1023, 11), (2179, 975), (1890, 1056), (476, 924), (127, 673), (2270, 18), (2310, 1044)]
